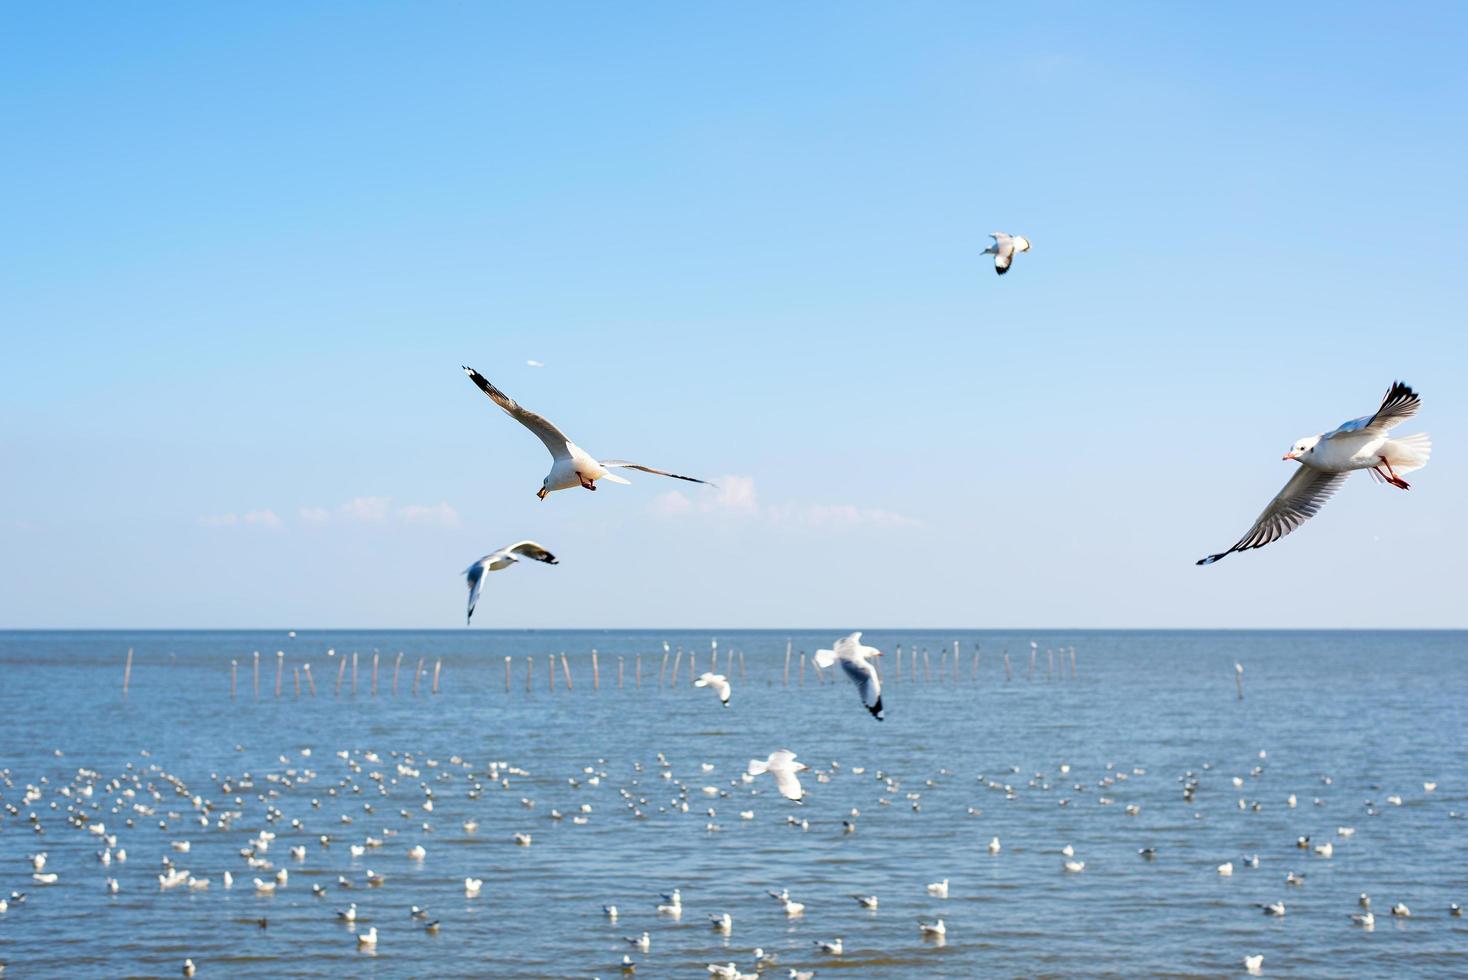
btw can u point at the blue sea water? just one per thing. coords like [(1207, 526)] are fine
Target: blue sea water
[(1375, 714)]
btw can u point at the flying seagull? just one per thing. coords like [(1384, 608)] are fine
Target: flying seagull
[(854, 660), (1004, 249), (718, 682), (496, 560), (1327, 459), (783, 767), (571, 465)]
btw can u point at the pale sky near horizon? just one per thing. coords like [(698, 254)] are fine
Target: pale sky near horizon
[(248, 247)]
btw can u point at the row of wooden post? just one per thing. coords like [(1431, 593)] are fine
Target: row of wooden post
[(296, 673)]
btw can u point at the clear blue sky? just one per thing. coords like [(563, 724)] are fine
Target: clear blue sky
[(247, 247)]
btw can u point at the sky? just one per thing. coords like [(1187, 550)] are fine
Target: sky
[(248, 246)]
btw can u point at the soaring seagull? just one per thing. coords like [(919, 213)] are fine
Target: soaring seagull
[(504, 558), (571, 465), (1327, 459), (1004, 249), (855, 661)]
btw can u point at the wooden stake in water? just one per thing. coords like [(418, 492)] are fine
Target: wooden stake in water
[(354, 673), (619, 671), (310, 681), (1239, 678), (257, 675), (942, 663), (279, 670), (416, 675), (565, 666), (1049, 662), (529, 673), (1034, 652), (802, 668), (375, 655), (663, 669), (741, 665), (912, 655), (639, 670), (927, 666), (127, 672), (955, 661), (507, 675), (692, 666), (398, 663), (552, 657), (897, 674), (787, 662), (296, 676), (234, 667), (1072, 663), (596, 673), (341, 669), (1008, 671), (677, 659), (974, 673), (437, 668)]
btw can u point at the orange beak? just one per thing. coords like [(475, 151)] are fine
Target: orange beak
[(1290, 456)]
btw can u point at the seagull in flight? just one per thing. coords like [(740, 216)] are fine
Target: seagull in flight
[(1004, 249), (783, 767), (571, 465), (718, 682), (504, 558), (855, 662), (1327, 459)]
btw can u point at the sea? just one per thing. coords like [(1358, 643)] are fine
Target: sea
[(1155, 757)]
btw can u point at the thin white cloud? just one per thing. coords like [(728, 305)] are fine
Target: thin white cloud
[(435, 515), (254, 518), (736, 496), (367, 510), (264, 518), (314, 515)]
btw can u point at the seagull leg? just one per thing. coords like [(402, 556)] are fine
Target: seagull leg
[(588, 484), (1393, 479)]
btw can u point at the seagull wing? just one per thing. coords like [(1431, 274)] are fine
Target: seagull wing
[(475, 574), (787, 782), (555, 440), (1398, 405), (649, 469), (1301, 499), (532, 550), (864, 677), (1003, 257)]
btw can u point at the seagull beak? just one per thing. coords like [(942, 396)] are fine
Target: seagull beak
[(540, 493), (1290, 456)]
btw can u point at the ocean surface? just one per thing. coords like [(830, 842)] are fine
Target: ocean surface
[(1349, 723)]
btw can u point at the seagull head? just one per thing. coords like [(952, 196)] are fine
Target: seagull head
[(1302, 448)]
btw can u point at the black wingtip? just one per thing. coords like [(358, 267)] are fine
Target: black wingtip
[(876, 710), (1000, 271), (1212, 558)]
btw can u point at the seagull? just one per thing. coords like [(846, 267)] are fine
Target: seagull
[(833, 947), (783, 767), (1366, 920), (718, 682), (1004, 249), (368, 938), (642, 942), (867, 901), (572, 465), (188, 968), (1075, 867), (854, 661), (504, 558), (939, 889), (1401, 911), (348, 914), (1326, 460), (1253, 964), (933, 928), (1274, 908), (472, 886), (723, 923), (994, 846), (795, 974)]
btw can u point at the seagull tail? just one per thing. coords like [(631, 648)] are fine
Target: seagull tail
[(1409, 452), (758, 767)]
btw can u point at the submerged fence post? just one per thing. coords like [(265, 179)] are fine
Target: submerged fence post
[(802, 668), (417, 675), (354, 673), (507, 675), (296, 676), (596, 673), (639, 670), (678, 659), (1008, 671), (375, 656), (897, 674), (552, 679), (310, 681), (566, 666), (396, 664), (279, 669), (1239, 678), (234, 668), (741, 664), (529, 672), (437, 667), (127, 672), (974, 673), (341, 669), (1072, 663), (620, 658), (787, 662), (257, 675)]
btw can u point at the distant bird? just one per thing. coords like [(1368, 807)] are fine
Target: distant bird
[(417, 852), (793, 908), (472, 886), (1326, 460), (855, 663), (610, 911), (1366, 920), (834, 946), (939, 889), (571, 465), (534, 363), (1005, 248), (718, 682), (723, 923), (783, 767), (1147, 853), (994, 846), (1253, 964), (496, 560), (867, 901), (1455, 910), (1075, 867), (933, 928), (1273, 908), (368, 938), (642, 942), (348, 914), (795, 974), (1401, 911), (189, 968)]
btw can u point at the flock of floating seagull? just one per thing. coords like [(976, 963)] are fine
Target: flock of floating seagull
[(396, 793)]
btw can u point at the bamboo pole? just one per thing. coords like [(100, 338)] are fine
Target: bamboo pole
[(296, 675), (279, 670), (955, 661), (595, 672), (677, 659), (375, 656), (639, 670), (418, 673), (437, 669), (397, 665), (552, 657), (341, 669), (897, 674), (529, 672), (913, 657), (802, 668), (620, 658), (567, 668), (234, 669), (927, 666), (507, 675), (310, 681), (787, 662), (127, 672), (354, 673), (257, 675)]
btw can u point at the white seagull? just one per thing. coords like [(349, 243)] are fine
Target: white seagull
[(571, 465), (496, 560), (718, 682), (1326, 460), (855, 662), (783, 767), (1004, 249)]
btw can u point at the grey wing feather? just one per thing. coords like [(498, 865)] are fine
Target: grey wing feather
[(648, 469), (864, 677), (475, 574), (1301, 499), (1398, 405), (533, 551), (555, 440)]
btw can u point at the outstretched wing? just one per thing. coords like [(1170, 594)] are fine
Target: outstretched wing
[(788, 783), (864, 676), (475, 574), (649, 469), (1301, 499), (555, 440), (532, 550), (1398, 405)]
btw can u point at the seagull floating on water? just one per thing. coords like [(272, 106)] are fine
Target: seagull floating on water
[(855, 663), (1327, 459), (571, 465), (496, 560), (1253, 964), (1005, 248)]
